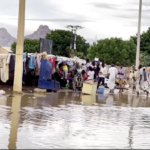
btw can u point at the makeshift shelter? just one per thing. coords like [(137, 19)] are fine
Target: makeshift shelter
[(5, 50)]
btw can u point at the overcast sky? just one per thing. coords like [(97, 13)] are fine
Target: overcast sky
[(101, 18)]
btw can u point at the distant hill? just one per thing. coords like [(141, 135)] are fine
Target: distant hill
[(39, 33), (6, 39)]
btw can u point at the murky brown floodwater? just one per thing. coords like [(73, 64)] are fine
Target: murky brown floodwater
[(71, 120)]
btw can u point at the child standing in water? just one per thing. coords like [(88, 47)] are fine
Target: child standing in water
[(134, 83)]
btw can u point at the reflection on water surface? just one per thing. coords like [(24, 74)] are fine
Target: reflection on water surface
[(72, 120)]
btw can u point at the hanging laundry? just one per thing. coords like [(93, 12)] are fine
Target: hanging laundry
[(4, 67), (27, 59), (38, 59), (24, 55), (52, 60), (70, 62), (12, 63), (24, 62), (38, 64), (44, 55), (32, 62)]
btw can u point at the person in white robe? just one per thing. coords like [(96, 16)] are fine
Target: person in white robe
[(112, 77)]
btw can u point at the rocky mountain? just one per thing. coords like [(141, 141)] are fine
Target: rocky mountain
[(5, 38), (39, 33)]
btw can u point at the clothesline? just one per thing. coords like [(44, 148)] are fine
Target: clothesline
[(7, 54), (58, 58)]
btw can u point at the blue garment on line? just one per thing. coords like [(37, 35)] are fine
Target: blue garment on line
[(44, 77), (32, 62), (24, 55)]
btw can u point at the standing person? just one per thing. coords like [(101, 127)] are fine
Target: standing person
[(61, 72), (130, 79), (65, 68), (79, 68), (84, 67), (134, 83), (94, 67), (121, 72), (87, 64), (144, 80), (121, 76), (90, 74), (112, 77), (102, 74)]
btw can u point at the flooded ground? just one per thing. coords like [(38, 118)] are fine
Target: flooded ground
[(72, 120)]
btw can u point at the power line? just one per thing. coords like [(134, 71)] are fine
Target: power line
[(74, 32), (146, 6), (56, 20)]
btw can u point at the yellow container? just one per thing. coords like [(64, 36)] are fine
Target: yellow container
[(89, 88), (88, 100)]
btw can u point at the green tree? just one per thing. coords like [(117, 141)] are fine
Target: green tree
[(61, 43), (144, 59), (145, 41), (30, 46), (13, 47), (113, 50)]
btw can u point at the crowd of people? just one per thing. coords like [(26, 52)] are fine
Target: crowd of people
[(66, 74), (95, 72), (90, 72)]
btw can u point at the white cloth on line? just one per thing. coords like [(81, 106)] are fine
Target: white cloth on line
[(4, 70), (38, 59)]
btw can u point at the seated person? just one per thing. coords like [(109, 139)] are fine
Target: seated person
[(84, 75), (70, 79), (78, 81), (58, 76)]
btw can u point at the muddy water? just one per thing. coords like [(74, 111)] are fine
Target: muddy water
[(72, 120)]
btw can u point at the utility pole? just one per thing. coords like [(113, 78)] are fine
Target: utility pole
[(71, 40), (74, 32), (138, 36), (17, 87), (75, 39)]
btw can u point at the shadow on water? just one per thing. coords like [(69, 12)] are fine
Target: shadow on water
[(72, 120)]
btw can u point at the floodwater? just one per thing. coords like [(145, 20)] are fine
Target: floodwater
[(71, 120)]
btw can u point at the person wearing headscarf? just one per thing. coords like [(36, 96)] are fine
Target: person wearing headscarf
[(65, 68), (58, 76)]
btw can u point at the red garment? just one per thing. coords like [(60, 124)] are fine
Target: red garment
[(52, 60), (85, 76)]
